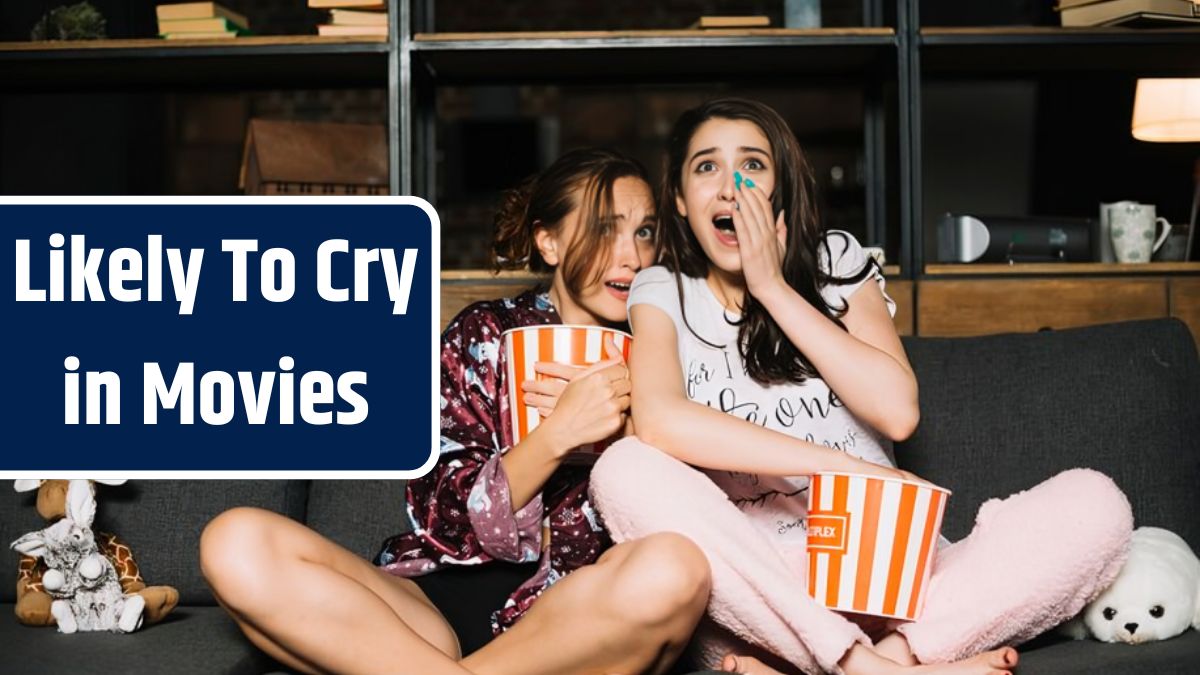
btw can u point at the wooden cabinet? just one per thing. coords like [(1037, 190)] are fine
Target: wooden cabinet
[(986, 299), (951, 307), (985, 306), (902, 292), (1184, 302), (461, 288)]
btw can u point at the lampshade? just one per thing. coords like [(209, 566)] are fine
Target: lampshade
[(1167, 110)]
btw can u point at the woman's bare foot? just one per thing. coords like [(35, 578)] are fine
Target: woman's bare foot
[(866, 660), (746, 665), (895, 647), (996, 662)]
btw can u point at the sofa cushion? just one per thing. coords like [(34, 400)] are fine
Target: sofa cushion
[(1051, 655), (161, 520), (1002, 413), (358, 514), (192, 641)]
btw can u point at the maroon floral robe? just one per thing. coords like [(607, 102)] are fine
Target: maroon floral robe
[(461, 512)]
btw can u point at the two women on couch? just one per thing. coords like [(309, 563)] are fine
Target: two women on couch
[(754, 306)]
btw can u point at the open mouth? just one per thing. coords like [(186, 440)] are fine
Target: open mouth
[(618, 286), (726, 233), (724, 223)]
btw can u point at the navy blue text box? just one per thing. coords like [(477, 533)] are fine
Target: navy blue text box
[(394, 353)]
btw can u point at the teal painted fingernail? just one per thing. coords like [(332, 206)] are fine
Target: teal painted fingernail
[(737, 180), (749, 183)]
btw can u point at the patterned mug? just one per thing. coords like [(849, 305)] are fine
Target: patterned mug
[(1133, 232)]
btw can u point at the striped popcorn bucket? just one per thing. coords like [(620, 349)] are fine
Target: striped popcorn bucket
[(572, 345), (871, 543)]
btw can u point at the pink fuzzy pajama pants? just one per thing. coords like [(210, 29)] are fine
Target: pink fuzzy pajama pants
[(1032, 561)]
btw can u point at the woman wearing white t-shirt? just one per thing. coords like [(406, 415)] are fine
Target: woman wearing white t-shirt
[(764, 352)]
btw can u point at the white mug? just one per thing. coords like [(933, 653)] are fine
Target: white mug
[(1106, 247), (1131, 229)]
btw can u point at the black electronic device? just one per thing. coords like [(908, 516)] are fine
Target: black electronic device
[(1015, 239)]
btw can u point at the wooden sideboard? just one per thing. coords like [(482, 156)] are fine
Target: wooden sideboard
[(462, 287), (957, 300)]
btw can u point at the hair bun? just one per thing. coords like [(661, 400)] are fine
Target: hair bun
[(512, 244)]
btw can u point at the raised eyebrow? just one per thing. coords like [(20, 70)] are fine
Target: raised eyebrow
[(751, 148), (699, 153)]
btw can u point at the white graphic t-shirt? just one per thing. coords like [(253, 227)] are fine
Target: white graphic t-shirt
[(715, 377)]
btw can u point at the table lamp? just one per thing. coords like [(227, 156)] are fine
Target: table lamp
[(1167, 110)]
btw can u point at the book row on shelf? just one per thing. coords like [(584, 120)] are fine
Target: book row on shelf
[(349, 18), (211, 20)]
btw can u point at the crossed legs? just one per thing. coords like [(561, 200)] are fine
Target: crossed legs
[(757, 596), (317, 607)]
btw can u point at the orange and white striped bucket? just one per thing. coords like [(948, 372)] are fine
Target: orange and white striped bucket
[(871, 543), (571, 345)]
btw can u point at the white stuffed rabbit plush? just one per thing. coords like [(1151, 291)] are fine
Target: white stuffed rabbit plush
[(83, 583)]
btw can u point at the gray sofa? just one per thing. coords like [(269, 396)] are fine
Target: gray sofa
[(998, 415)]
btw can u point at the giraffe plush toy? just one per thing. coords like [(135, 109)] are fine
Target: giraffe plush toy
[(33, 602)]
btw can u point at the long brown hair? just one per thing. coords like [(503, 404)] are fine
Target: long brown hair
[(769, 356), (581, 178)]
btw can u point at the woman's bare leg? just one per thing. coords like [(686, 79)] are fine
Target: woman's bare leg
[(633, 611), (317, 607), (323, 608)]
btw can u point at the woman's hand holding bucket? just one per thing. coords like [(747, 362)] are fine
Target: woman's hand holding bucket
[(589, 404), (866, 468)]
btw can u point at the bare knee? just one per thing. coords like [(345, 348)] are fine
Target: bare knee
[(237, 553), (665, 578)]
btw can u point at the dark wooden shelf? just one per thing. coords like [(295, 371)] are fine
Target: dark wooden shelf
[(261, 61), (476, 276), (1041, 50), (1060, 269), (647, 56)]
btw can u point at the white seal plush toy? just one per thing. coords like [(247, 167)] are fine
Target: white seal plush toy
[(1156, 596)]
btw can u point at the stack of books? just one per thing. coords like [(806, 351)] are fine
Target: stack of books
[(353, 17), (199, 20), (710, 22), (1146, 13)]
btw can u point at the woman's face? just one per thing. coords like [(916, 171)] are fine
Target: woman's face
[(631, 248), (718, 148)]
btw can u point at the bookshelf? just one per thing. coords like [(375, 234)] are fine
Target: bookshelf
[(989, 51), (896, 61), (295, 61), (646, 55)]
